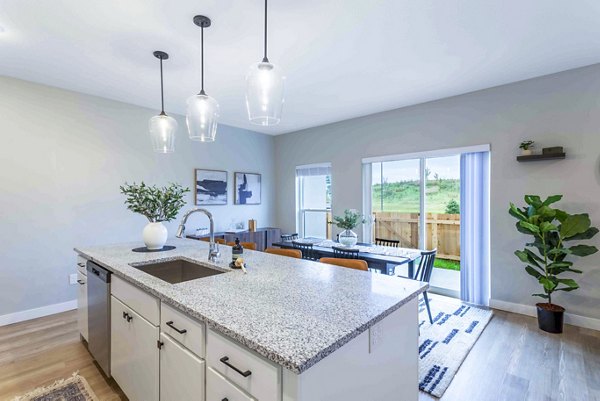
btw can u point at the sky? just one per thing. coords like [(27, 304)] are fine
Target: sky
[(408, 170)]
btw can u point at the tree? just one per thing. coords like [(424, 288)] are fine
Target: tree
[(452, 207)]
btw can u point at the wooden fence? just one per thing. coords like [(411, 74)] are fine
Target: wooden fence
[(443, 231)]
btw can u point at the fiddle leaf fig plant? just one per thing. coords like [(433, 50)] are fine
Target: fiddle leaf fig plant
[(553, 231), (157, 204)]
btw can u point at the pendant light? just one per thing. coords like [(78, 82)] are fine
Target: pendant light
[(162, 127), (264, 89), (202, 110)]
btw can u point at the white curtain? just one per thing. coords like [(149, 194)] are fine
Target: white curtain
[(475, 227)]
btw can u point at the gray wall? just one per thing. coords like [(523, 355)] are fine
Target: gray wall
[(560, 109), (63, 156)]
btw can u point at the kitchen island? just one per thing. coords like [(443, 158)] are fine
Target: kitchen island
[(288, 330)]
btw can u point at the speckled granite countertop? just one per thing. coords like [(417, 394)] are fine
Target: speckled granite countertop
[(294, 312)]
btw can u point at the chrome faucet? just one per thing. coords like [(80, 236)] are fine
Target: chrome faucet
[(213, 251)]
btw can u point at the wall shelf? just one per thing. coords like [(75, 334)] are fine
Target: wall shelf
[(533, 158)]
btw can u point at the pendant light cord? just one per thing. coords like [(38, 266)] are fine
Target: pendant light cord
[(162, 99), (265, 59), (202, 60)]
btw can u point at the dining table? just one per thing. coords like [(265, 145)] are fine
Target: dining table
[(381, 258)]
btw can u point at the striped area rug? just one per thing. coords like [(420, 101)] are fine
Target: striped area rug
[(445, 344)]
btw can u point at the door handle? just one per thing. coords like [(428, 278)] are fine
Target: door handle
[(171, 325), (226, 358)]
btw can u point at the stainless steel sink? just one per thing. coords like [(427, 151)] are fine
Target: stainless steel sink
[(177, 271)]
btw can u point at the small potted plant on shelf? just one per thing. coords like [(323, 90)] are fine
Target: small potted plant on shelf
[(526, 147), (554, 232), (157, 205), (348, 222)]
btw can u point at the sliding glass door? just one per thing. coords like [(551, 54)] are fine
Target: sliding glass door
[(416, 201)]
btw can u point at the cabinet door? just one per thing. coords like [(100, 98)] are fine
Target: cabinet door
[(134, 353), (181, 372), (82, 310)]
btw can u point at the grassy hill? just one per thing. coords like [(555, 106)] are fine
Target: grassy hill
[(404, 196)]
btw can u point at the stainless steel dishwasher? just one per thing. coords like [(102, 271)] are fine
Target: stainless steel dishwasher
[(98, 287)]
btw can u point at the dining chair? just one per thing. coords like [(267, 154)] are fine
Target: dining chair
[(289, 237), (307, 250), (387, 242), (245, 245), (423, 274), (345, 253), (292, 253), (356, 264)]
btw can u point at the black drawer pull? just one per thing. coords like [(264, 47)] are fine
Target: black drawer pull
[(171, 325), (80, 264), (226, 358), (127, 316), (81, 282)]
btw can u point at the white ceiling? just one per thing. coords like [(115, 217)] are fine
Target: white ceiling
[(342, 58)]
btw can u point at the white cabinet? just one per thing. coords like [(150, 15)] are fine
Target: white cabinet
[(219, 388), (82, 310), (190, 333), (181, 372), (134, 353), (249, 371)]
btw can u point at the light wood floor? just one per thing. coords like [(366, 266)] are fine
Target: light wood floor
[(38, 352), (512, 361)]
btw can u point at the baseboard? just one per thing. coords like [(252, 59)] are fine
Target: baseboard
[(530, 310), (37, 312)]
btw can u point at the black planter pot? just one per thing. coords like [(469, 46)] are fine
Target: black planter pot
[(550, 317)]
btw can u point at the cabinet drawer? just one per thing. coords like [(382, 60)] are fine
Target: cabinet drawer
[(251, 372), (138, 300), (218, 389), (182, 328), (81, 262)]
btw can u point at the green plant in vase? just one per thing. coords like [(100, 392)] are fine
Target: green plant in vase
[(157, 205), (348, 222), (555, 235)]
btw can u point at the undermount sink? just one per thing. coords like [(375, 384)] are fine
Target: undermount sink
[(177, 271)]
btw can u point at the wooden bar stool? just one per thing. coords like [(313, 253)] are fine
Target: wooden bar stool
[(245, 245), (356, 264), (292, 253)]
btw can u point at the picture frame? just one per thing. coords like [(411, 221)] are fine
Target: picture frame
[(247, 188), (210, 187)]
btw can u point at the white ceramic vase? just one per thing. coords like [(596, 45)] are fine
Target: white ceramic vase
[(526, 152), (155, 235)]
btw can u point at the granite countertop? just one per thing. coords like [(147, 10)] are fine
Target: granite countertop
[(294, 312)]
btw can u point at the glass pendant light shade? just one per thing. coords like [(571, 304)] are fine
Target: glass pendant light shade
[(162, 133), (202, 117), (264, 93), (162, 127)]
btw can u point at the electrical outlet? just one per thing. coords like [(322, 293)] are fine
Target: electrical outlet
[(73, 278), (375, 337)]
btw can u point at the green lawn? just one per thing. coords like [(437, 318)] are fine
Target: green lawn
[(446, 264)]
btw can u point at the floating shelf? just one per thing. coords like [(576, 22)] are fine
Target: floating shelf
[(534, 158)]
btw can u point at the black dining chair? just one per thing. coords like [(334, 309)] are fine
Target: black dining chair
[(345, 253), (423, 274), (289, 237), (307, 250), (387, 242)]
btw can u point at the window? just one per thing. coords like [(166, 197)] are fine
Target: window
[(313, 200)]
